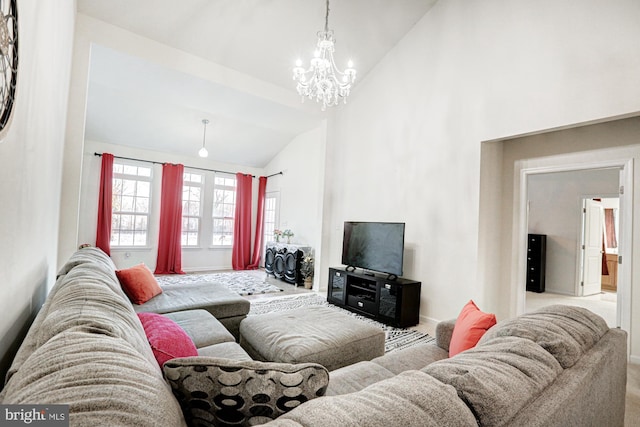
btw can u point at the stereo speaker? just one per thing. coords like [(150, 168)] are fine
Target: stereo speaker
[(269, 259), (279, 266), (292, 263)]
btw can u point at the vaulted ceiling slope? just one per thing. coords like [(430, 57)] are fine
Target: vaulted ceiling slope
[(138, 103)]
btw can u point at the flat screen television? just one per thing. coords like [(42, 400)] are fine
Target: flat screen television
[(375, 246)]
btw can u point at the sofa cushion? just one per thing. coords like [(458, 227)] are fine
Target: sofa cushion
[(166, 338), (412, 358), (225, 350), (103, 379), (356, 377), (202, 327), (411, 399), (224, 392), (499, 377), (469, 328), (139, 283), (566, 332)]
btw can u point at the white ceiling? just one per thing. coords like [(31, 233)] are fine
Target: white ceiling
[(141, 104)]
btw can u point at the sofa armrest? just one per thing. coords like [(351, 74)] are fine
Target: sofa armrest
[(444, 330)]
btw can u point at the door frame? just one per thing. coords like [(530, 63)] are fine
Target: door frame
[(520, 229)]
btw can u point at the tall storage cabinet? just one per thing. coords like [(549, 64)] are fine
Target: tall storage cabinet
[(536, 262)]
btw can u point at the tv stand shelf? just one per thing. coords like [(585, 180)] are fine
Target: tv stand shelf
[(393, 302)]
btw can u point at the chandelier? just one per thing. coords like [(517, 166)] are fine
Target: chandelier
[(323, 81)]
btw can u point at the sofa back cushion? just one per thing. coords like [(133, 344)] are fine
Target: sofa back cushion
[(566, 332), (89, 255), (88, 297), (499, 377), (410, 399), (102, 378)]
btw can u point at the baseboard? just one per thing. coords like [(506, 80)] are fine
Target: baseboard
[(428, 324), (635, 360), (206, 270)]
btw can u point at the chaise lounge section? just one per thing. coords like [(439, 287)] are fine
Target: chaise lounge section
[(226, 306)]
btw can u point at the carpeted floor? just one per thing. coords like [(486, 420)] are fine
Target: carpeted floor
[(240, 282), (396, 338)]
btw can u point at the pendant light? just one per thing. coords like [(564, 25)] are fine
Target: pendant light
[(203, 151)]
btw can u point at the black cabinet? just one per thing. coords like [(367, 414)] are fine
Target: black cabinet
[(536, 262), (394, 302)]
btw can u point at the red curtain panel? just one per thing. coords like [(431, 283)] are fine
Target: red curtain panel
[(105, 201), (169, 245), (241, 255), (257, 241)]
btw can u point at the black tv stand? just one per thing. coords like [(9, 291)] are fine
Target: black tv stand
[(394, 302)]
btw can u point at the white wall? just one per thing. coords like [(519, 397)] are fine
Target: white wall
[(555, 209), (203, 258), (407, 146), (300, 188), (31, 173)]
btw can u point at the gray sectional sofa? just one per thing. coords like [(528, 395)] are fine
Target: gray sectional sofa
[(561, 366)]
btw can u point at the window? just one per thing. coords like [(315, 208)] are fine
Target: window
[(270, 218), (224, 207), (131, 201), (191, 208)]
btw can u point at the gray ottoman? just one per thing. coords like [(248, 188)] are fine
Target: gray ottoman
[(311, 334)]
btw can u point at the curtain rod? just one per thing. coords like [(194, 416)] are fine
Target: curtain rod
[(189, 167)]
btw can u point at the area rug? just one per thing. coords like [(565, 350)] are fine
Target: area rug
[(238, 281), (396, 338)]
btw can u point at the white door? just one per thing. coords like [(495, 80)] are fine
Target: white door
[(592, 226)]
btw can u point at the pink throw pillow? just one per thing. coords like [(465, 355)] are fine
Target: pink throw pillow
[(138, 283), (166, 338), (470, 327)]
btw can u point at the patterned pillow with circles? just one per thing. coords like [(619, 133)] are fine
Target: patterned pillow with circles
[(214, 392)]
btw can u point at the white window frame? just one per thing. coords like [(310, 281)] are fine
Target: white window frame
[(220, 189), (271, 222), (187, 184), (122, 172)]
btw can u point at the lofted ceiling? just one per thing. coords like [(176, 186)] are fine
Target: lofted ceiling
[(135, 102)]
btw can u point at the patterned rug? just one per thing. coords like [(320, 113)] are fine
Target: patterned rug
[(396, 338), (238, 281)]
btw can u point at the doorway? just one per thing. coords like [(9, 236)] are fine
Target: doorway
[(560, 204)]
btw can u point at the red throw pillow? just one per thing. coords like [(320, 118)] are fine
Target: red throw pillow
[(470, 327), (166, 338), (138, 283)]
